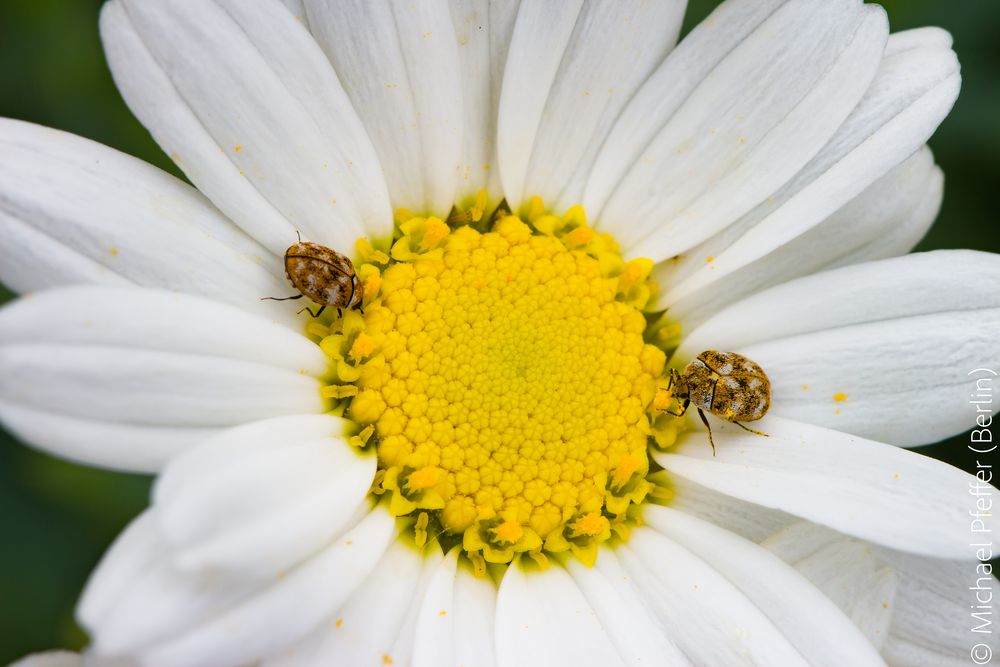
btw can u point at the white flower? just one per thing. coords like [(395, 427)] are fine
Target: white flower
[(773, 168)]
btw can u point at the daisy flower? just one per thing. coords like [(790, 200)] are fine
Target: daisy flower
[(548, 206)]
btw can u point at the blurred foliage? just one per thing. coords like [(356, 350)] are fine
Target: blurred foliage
[(56, 518)]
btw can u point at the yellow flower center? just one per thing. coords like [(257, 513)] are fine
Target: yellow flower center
[(503, 379)]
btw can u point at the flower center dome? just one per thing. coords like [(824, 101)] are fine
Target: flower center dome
[(503, 379)]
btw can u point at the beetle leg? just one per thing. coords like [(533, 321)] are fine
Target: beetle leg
[(704, 420), (683, 409), (316, 314), (351, 299), (284, 298), (746, 428)]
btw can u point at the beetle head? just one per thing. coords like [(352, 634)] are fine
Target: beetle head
[(677, 385)]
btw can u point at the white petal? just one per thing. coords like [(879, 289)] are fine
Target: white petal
[(746, 519), (130, 557), (902, 234), (929, 37), (69, 659), (543, 619), (148, 319), (561, 98), (296, 8), (913, 92), (244, 102), (135, 599), (126, 377), (886, 220), (885, 350), (404, 641), (399, 64), (365, 629), (698, 54), (475, 619), (932, 622), (167, 618), (158, 388), (106, 444), (455, 621), (918, 284), (246, 440), (530, 71), (917, 609), (846, 570), (433, 645), (74, 211), (269, 507), (181, 365), (50, 659), (813, 623), (483, 29), (708, 617), (724, 145), (877, 492), (290, 608), (638, 636)]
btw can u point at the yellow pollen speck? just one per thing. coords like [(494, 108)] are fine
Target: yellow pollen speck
[(626, 468), (503, 379), (386, 660), (662, 399), (580, 236), (363, 346), (238, 149), (114, 252), (591, 524), (840, 397), (339, 623), (509, 531), (710, 259), (424, 478), (805, 387)]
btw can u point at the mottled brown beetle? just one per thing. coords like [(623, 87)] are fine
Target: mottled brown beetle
[(727, 384), (323, 275)]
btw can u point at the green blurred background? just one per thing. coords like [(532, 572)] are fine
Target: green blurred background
[(57, 518)]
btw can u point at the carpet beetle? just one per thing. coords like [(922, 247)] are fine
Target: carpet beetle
[(322, 275), (727, 384)]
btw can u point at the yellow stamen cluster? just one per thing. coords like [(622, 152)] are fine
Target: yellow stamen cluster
[(503, 379)]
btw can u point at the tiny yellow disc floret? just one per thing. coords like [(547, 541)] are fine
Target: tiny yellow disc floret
[(507, 381)]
